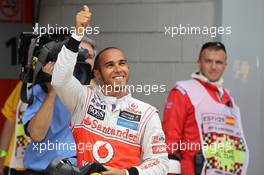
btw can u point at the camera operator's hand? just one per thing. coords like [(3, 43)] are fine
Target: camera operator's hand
[(82, 20), (48, 68), (113, 171)]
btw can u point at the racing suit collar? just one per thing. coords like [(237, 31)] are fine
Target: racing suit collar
[(218, 84), (198, 75), (110, 99)]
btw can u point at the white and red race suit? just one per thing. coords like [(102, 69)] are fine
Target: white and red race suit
[(123, 133)]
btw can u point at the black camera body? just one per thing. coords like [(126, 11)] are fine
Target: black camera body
[(35, 51), (60, 166)]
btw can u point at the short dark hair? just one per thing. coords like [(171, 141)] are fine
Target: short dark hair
[(91, 42), (213, 46), (97, 58)]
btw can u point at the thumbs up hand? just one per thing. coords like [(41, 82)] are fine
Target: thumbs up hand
[(82, 20)]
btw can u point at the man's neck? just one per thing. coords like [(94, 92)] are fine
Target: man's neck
[(201, 77), (114, 93)]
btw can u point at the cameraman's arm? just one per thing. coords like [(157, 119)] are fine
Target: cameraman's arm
[(40, 123), (69, 89)]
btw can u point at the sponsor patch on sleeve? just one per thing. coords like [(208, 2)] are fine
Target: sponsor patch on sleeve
[(150, 164), (158, 139), (159, 149)]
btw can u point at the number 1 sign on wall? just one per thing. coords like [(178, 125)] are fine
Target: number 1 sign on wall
[(15, 18)]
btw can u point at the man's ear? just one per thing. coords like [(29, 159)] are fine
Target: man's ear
[(226, 66), (97, 74), (199, 63)]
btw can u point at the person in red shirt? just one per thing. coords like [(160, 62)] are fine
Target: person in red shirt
[(182, 128)]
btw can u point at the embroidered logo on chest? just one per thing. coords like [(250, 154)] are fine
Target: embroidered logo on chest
[(97, 113), (130, 116)]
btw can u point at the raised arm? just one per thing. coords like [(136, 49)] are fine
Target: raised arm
[(68, 88)]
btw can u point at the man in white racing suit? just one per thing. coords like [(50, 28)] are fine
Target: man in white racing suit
[(110, 126)]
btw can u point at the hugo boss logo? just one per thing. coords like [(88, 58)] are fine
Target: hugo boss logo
[(97, 113)]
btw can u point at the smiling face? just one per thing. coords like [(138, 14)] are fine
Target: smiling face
[(212, 63), (112, 69)]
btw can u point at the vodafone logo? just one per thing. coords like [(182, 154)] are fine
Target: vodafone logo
[(103, 151)]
